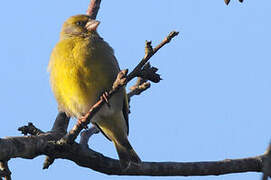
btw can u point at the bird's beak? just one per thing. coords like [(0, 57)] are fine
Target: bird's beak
[(92, 25)]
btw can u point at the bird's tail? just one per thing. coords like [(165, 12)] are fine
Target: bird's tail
[(126, 154)]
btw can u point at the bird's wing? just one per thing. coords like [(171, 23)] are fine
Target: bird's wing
[(125, 110), (102, 131), (125, 106)]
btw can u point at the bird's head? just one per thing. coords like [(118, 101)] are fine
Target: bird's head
[(79, 25)]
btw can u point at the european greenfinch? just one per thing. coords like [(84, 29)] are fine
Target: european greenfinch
[(82, 67)]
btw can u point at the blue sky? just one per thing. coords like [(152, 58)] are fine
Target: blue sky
[(213, 103)]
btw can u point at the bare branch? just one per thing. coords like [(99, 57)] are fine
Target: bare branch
[(149, 53), (32, 146), (61, 123), (140, 86), (93, 8), (111, 167)]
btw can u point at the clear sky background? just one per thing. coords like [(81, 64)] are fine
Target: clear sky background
[(214, 101)]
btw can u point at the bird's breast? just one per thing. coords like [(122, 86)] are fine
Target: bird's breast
[(80, 73)]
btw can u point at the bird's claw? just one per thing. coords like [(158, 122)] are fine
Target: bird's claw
[(80, 122), (105, 98), (122, 76)]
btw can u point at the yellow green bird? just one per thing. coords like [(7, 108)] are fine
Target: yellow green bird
[(82, 67)]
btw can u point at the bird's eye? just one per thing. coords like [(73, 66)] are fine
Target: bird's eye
[(80, 23)]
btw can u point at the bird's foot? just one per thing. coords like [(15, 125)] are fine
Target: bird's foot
[(80, 121), (105, 98)]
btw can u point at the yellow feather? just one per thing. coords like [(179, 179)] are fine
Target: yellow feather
[(82, 67), (76, 78)]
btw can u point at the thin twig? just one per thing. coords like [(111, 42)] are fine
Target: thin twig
[(121, 80), (140, 86), (149, 52), (93, 8), (30, 129)]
